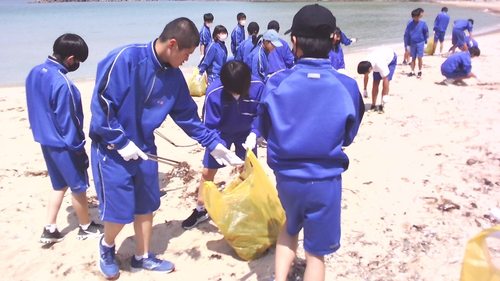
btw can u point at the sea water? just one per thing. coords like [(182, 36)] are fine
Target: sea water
[(28, 31)]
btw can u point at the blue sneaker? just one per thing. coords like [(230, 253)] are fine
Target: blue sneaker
[(151, 263), (107, 262)]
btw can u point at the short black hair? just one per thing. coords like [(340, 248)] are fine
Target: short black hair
[(240, 16), (314, 47), (471, 21), (184, 31), (475, 51), (217, 30), (444, 9), (420, 10), (364, 67), (70, 44), (236, 77), (273, 25), (208, 17), (415, 13)]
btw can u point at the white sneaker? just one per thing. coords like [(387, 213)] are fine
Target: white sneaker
[(449, 81)]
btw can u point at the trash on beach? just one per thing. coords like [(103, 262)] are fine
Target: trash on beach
[(447, 206)]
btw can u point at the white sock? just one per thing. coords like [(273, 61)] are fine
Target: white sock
[(200, 208), (139, 257), (51, 227), (106, 245), (85, 226)]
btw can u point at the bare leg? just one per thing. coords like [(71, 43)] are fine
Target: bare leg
[(375, 92), (111, 230), (143, 227), (420, 64), (206, 175), (441, 47), (286, 246), (453, 48), (81, 207), (315, 268), (55, 201), (412, 64)]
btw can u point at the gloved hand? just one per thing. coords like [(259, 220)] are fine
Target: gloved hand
[(224, 156), (425, 46), (131, 151), (365, 93), (82, 161), (407, 48), (478, 79), (470, 43), (353, 40), (198, 78), (250, 142)]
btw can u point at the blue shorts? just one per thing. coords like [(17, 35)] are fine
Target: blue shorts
[(209, 161), (458, 37), (315, 206), (124, 189), (455, 74), (417, 49), (439, 35), (63, 171), (392, 68)]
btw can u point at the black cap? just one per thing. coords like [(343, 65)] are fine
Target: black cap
[(273, 25), (313, 21)]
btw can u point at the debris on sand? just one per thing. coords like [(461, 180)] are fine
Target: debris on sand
[(447, 205), (182, 171)]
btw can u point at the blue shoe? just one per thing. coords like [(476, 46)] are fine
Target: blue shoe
[(107, 262), (151, 263)]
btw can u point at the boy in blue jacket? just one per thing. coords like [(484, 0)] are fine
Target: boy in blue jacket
[(205, 34), (258, 58), (230, 108), (137, 86), (440, 25), (458, 66), (416, 34), (238, 33), (308, 113), (458, 34), (282, 57), (56, 119)]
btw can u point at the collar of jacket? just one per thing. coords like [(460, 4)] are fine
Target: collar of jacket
[(52, 61)]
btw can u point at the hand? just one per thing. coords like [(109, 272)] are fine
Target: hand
[(425, 46), (250, 142), (82, 161), (224, 156), (407, 48), (470, 44), (131, 151), (365, 93), (198, 78), (478, 79), (353, 40)]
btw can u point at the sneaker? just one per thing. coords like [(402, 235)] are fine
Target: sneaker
[(419, 74), (107, 262), (405, 63), (449, 81), (381, 109), (373, 108), (50, 237), (194, 219), (151, 263), (93, 231), (411, 74)]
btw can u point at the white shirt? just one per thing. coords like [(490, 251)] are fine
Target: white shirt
[(380, 59)]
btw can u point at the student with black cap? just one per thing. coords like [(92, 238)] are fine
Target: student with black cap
[(307, 114), (281, 57)]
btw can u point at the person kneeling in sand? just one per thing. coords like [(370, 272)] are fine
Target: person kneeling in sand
[(458, 66)]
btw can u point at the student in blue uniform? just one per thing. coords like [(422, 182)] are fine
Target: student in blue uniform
[(472, 43), (336, 54), (230, 108), (205, 34), (458, 35), (406, 57), (56, 120), (440, 25), (417, 34), (246, 46), (308, 113), (258, 57), (282, 57), (458, 66), (238, 33), (137, 86), (215, 55)]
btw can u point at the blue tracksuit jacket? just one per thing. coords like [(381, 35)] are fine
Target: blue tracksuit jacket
[(133, 95), (205, 35), (308, 113), (458, 63), (416, 32), (258, 62), (337, 58), (244, 49), (54, 107), (215, 57), (462, 25), (237, 36), (280, 58), (441, 22), (223, 113)]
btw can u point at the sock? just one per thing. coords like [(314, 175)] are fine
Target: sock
[(139, 257), (85, 226), (106, 245), (200, 208), (51, 227)]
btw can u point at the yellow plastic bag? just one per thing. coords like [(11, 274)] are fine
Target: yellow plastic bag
[(196, 88), (248, 211), (430, 47), (477, 265)]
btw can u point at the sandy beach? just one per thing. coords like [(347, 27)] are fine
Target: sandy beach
[(435, 144)]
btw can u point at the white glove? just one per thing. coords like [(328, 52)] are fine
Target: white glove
[(407, 48), (470, 44), (198, 78), (224, 156), (250, 142), (353, 40), (478, 79), (425, 46), (131, 151), (365, 93)]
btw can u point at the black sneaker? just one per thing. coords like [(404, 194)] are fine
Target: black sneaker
[(93, 231), (373, 108), (381, 109), (195, 218), (411, 74), (419, 74), (48, 237)]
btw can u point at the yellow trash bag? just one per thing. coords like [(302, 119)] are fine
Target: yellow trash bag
[(196, 88), (248, 211), (430, 47), (477, 265)]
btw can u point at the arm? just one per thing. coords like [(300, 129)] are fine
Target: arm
[(426, 33), (208, 59), (288, 57), (233, 41), (365, 81), (212, 112), (344, 40)]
